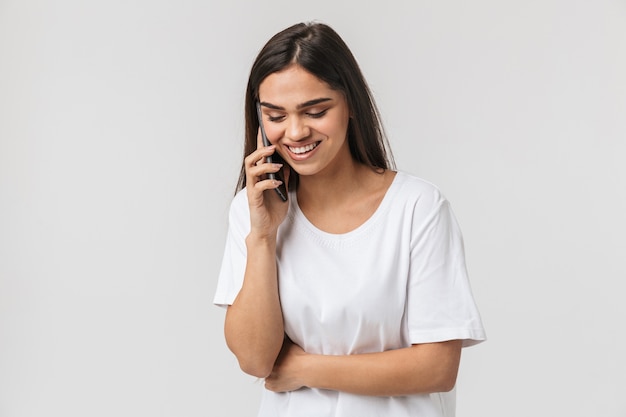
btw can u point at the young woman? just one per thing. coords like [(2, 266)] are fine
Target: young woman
[(351, 298)]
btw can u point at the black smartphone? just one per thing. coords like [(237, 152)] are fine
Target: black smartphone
[(275, 158)]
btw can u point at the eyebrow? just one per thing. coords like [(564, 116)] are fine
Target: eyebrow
[(299, 106)]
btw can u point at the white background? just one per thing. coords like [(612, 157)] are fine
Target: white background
[(120, 143)]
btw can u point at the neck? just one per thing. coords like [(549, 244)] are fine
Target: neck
[(332, 188)]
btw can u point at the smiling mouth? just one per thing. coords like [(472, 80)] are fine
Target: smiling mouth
[(303, 149)]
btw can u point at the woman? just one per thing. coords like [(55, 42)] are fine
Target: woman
[(352, 298)]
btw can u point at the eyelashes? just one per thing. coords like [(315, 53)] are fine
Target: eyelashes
[(317, 115), (275, 119)]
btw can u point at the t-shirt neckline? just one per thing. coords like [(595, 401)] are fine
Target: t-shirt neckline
[(382, 208)]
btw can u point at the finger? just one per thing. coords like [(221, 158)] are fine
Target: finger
[(259, 155), (257, 180), (258, 172), (264, 185)]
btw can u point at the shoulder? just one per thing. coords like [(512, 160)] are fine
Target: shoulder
[(417, 191), (430, 215)]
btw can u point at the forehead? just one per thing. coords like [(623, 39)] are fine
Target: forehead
[(292, 86)]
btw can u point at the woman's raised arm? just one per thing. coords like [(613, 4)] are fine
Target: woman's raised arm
[(254, 323)]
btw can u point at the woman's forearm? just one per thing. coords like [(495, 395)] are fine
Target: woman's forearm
[(254, 323), (424, 368)]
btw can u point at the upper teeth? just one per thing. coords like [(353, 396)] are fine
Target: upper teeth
[(303, 149)]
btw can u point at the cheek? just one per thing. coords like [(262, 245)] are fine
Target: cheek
[(274, 132), (337, 128)]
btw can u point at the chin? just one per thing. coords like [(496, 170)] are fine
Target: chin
[(302, 172)]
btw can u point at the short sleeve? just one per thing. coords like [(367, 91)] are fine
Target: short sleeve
[(440, 304), (233, 265)]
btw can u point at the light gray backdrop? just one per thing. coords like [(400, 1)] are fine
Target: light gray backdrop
[(120, 140)]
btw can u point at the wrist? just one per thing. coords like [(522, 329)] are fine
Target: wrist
[(307, 370), (261, 239)]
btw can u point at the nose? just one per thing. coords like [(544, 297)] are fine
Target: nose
[(297, 129)]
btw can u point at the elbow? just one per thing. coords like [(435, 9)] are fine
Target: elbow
[(250, 359), (447, 383), (434, 385), (445, 372), (251, 362), (445, 380), (255, 368)]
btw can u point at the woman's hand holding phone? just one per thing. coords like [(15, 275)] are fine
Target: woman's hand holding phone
[(281, 190), (267, 210)]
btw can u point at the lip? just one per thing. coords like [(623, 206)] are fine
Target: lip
[(306, 155)]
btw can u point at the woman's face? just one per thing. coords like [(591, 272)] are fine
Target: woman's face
[(306, 120)]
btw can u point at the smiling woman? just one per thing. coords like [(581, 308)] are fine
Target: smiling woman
[(308, 121), (353, 297)]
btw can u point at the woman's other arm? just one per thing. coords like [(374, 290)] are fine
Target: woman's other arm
[(421, 368)]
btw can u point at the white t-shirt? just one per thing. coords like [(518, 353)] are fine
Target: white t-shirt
[(396, 280)]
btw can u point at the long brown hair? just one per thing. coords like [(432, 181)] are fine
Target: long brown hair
[(318, 49)]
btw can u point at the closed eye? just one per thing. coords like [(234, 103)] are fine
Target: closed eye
[(318, 114), (275, 118)]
